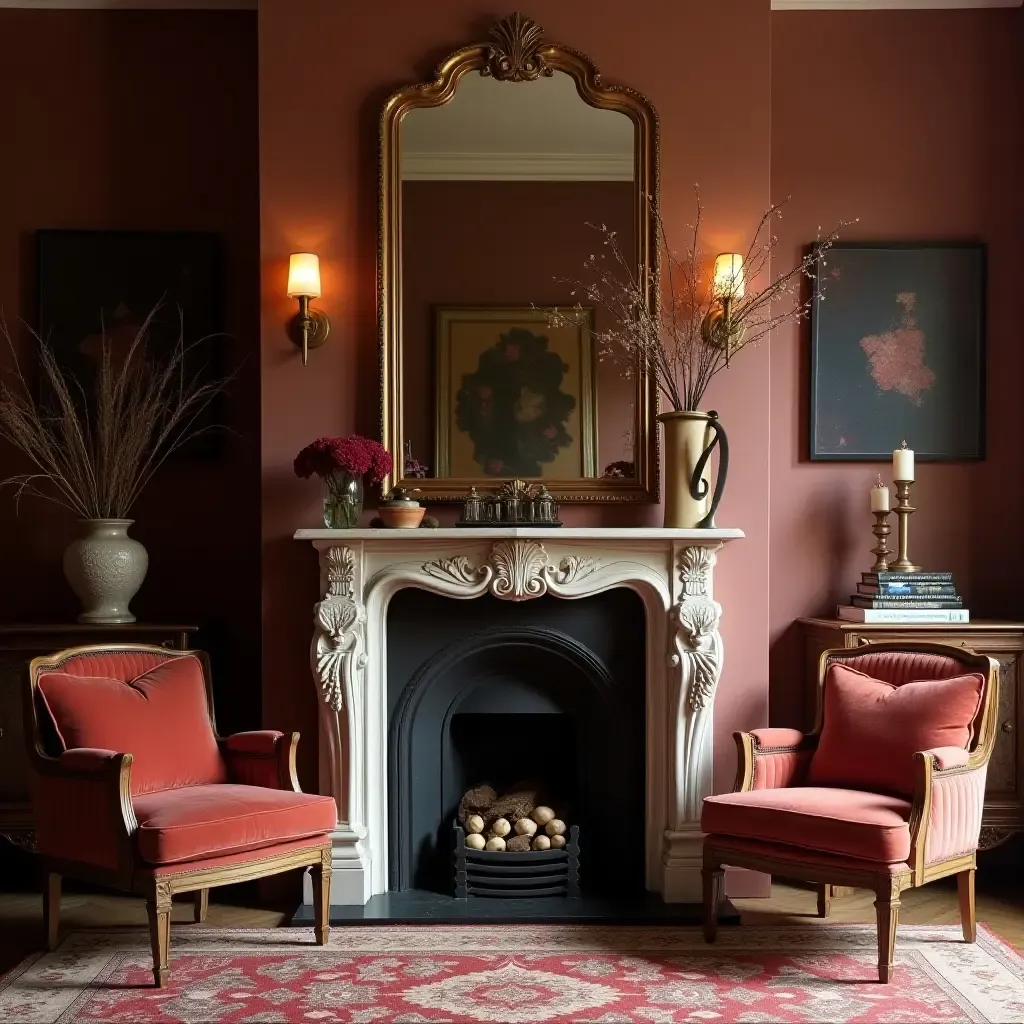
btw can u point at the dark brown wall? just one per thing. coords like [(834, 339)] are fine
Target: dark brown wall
[(144, 120), (911, 121), (505, 243)]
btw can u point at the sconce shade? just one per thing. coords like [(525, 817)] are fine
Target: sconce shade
[(304, 275), (729, 282)]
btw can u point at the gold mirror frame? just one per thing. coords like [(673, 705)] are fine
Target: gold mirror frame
[(516, 53)]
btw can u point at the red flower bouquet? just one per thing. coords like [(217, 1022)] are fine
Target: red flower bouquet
[(342, 463), (354, 455)]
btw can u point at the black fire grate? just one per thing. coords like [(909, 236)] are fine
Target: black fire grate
[(517, 875)]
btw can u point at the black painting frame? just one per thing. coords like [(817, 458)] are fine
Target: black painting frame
[(75, 273), (815, 454)]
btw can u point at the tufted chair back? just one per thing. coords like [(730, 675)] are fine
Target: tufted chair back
[(152, 705), (900, 663)]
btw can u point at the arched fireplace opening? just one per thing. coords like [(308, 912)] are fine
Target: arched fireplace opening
[(550, 691)]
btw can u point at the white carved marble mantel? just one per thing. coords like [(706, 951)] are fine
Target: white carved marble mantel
[(671, 570)]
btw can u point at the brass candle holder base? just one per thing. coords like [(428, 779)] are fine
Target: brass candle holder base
[(903, 512), (881, 550)]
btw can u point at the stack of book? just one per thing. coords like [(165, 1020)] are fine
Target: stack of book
[(910, 597)]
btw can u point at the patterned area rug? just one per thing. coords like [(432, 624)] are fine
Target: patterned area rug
[(522, 973)]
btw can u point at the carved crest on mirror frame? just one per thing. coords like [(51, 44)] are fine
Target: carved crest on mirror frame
[(516, 51)]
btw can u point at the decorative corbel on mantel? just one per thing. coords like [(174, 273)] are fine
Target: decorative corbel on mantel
[(672, 571)]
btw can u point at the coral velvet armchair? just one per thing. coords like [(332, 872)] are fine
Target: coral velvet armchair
[(132, 787), (885, 794)]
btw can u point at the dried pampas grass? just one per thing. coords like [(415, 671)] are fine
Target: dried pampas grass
[(94, 453)]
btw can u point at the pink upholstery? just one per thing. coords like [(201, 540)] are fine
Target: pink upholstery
[(873, 728), (778, 771), (813, 858), (948, 757), (198, 821), (864, 826), (955, 824), (899, 667), (246, 857), (776, 739), (160, 717), (122, 665), (74, 812), (258, 758)]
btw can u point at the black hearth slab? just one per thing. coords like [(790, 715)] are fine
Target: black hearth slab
[(413, 906)]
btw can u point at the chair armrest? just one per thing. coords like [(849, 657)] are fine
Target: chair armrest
[(772, 758), (83, 808), (949, 798), (263, 758)]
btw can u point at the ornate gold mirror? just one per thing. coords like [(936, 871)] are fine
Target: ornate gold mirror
[(496, 178)]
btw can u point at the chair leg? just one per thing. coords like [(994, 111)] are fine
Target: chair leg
[(51, 907), (824, 900), (965, 888), (320, 875), (158, 906), (202, 905), (887, 910), (712, 879)]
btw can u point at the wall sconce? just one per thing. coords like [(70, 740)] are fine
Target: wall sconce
[(728, 284), (309, 327)]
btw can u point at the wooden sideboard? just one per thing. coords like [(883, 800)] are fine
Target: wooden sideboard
[(1004, 641), (18, 646)]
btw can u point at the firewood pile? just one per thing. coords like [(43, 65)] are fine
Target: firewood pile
[(514, 822)]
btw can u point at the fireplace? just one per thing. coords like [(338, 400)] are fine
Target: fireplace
[(548, 691), (429, 643)]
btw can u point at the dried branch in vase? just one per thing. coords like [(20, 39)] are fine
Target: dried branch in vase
[(668, 338), (94, 453)]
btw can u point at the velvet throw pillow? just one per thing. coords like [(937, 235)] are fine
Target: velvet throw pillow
[(872, 729), (159, 717)]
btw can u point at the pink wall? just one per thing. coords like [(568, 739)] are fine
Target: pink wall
[(911, 122), (336, 64)]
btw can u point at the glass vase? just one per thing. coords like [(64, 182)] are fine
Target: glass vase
[(343, 501)]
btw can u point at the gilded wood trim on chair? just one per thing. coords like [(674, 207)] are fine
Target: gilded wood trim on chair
[(158, 884), (744, 762), (887, 885)]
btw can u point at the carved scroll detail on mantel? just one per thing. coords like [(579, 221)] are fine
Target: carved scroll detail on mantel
[(337, 640), (518, 570), (696, 642)]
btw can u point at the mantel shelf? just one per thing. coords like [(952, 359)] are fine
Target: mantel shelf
[(554, 535)]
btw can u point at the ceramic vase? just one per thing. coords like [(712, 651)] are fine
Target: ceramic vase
[(105, 568), (343, 501), (689, 436)]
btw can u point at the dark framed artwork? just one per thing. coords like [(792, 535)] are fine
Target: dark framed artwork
[(898, 352), (515, 394), (96, 283)]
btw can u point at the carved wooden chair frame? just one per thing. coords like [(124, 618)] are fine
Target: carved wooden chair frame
[(886, 885), (132, 874)]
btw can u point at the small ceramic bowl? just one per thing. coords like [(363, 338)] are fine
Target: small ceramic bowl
[(398, 518)]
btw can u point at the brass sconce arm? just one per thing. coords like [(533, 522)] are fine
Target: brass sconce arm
[(309, 327)]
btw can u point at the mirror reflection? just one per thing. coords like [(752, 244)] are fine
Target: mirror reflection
[(499, 186)]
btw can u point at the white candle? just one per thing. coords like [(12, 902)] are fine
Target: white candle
[(880, 497), (903, 463)]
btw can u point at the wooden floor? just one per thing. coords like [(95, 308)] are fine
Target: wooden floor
[(1000, 906)]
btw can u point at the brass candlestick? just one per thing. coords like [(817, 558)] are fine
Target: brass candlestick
[(881, 551), (903, 509)]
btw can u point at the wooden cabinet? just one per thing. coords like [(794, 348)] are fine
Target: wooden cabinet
[(1004, 641), (18, 646)]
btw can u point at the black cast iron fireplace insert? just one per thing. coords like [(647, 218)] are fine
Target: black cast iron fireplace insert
[(487, 691)]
